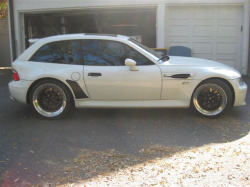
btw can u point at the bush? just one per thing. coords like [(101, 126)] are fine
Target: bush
[(3, 9)]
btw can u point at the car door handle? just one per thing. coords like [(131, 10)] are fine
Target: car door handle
[(94, 74)]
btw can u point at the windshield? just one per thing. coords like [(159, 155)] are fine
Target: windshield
[(157, 55)]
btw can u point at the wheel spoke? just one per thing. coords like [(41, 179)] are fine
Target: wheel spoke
[(50, 99), (209, 99)]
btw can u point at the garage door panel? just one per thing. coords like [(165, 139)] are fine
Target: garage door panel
[(203, 56), (203, 31), (212, 32), (179, 30), (185, 44), (229, 62), (202, 48), (227, 31), (205, 13), (227, 48), (180, 13), (230, 13)]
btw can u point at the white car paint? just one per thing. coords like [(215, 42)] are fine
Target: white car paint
[(201, 69), (150, 86), (134, 104), (118, 83)]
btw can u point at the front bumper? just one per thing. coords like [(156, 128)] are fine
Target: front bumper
[(240, 93), (19, 89)]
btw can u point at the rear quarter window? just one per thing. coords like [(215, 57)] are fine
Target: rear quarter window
[(61, 52)]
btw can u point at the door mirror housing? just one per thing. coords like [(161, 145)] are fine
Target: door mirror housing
[(131, 63)]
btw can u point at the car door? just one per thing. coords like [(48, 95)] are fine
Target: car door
[(107, 78)]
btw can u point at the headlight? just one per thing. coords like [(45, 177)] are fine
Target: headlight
[(240, 81)]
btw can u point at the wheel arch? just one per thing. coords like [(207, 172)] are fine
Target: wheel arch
[(46, 78), (221, 79)]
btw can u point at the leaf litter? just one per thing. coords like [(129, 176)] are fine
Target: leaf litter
[(225, 164)]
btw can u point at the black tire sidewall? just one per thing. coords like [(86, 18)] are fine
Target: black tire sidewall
[(226, 89)]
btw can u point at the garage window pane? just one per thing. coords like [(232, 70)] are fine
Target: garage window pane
[(63, 52), (103, 53)]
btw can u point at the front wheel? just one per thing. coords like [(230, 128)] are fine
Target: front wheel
[(211, 98), (51, 99)]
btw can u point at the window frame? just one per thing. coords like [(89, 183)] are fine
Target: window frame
[(122, 44)]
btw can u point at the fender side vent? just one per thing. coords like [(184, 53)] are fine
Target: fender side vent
[(181, 76), (79, 93)]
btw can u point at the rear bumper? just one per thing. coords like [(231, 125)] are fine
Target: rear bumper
[(18, 90)]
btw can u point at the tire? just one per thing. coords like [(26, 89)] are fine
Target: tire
[(211, 98), (51, 99)]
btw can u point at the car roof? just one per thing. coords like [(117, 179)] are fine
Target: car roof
[(80, 36)]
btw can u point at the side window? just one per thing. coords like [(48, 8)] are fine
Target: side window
[(138, 57), (103, 53), (62, 52)]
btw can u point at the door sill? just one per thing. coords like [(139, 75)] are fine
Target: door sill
[(133, 104)]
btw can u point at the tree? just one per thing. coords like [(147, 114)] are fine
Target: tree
[(3, 9)]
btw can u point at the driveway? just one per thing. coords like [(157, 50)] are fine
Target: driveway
[(35, 151)]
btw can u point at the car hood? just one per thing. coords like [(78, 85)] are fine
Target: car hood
[(198, 68), (189, 61)]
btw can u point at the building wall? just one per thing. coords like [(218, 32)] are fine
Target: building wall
[(4, 43), (249, 42), (32, 6)]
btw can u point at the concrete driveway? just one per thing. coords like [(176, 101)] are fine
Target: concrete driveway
[(34, 150)]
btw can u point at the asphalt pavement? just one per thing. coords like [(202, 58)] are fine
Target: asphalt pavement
[(31, 148)]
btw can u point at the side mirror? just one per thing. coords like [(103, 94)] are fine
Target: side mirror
[(131, 63)]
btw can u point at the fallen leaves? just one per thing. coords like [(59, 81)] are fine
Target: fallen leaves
[(159, 150), (157, 165)]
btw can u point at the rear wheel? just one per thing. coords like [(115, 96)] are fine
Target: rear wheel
[(51, 99), (211, 98)]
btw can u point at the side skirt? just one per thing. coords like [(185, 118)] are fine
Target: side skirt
[(133, 104)]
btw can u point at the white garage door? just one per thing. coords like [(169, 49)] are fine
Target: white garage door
[(212, 32)]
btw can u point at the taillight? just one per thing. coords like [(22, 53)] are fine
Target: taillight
[(15, 75)]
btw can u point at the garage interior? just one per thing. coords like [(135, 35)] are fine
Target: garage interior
[(126, 21)]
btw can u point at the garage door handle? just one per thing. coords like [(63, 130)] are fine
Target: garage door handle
[(94, 74)]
